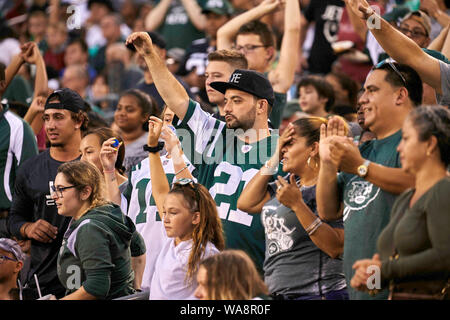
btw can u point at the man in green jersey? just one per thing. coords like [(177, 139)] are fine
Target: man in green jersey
[(226, 154)]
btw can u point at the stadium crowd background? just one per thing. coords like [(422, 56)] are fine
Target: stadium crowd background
[(341, 97)]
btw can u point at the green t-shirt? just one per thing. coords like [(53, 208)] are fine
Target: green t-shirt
[(225, 165), (277, 109), (177, 29), (367, 209)]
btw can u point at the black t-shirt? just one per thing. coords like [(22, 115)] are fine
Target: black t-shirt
[(32, 201), (327, 15)]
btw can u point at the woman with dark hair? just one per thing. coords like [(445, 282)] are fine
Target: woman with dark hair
[(95, 258), (414, 248), (193, 229), (303, 253), (229, 275), (132, 113)]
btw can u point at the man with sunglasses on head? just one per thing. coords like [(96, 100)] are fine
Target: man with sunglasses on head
[(33, 212), (370, 179), (226, 154)]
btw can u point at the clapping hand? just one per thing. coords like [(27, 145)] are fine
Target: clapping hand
[(359, 280), (30, 52), (335, 130), (170, 139), (361, 8)]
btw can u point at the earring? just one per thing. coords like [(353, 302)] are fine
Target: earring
[(308, 162), (428, 153)]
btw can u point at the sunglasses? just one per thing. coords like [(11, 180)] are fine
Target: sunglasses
[(393, 67), (183, 182)]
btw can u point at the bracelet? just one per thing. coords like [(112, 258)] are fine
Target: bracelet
[(181, 170), (313, 225), (272, 170), (25, 228), (310, 233), (112, 171)]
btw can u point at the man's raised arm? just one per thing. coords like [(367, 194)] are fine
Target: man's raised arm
[(398, 46), (172, 92)]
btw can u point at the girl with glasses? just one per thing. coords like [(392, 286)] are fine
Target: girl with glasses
[(94, 261), (193, 229)]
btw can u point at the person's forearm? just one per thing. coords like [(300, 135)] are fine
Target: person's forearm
[(112, 187), (227, 32), (288, 54), (179, 165), (54, 12), (326, 238), (359, 25), (255, 193), (12, 69), (195, 15), (442, 18), (327, 199), (171, 91), (405, 51), (446, 46), (157, 15), (138, 266), (80, 294), (438, 43), (393, 180), (41, 80), (160, 185)]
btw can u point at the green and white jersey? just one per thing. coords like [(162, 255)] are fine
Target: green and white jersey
[(225, 165), (17, 144), (140, 206)]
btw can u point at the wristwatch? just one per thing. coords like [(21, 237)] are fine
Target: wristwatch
[(158, 148), (363, 169)]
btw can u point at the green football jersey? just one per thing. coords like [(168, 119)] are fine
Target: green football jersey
[(225, 164)]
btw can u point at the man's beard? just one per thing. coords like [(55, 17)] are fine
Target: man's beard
[(246, 122)]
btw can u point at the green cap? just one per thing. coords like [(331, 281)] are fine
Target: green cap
[(221, 7)]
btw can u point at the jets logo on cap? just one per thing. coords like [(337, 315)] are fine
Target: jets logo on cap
[(235, 77)]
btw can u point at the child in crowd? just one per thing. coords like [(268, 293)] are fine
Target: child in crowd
[(193, 229)]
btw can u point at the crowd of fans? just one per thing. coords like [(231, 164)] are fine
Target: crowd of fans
[(224, 149)]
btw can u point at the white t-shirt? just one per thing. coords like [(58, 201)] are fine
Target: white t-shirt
[(168, 282), (139, 205)]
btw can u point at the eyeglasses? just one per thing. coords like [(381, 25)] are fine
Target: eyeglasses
[(393, 67), (415, 33), (248, 47), (187, 182), (59, 190), (4, 258)]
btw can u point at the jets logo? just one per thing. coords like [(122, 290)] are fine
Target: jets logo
[(359, 196)]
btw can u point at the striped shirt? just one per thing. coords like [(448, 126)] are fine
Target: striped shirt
[(17, 143)]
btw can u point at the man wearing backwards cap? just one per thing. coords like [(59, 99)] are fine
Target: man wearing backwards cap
[(225, 159), (33, 212), (11, 262)]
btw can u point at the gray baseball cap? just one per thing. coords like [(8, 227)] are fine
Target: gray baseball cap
[(12, 246)]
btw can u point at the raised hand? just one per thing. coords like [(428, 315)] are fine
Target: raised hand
[(272, 5), (30, 52), (38, 104), (108, 155), (170, 139), (154, 131), (141, 41), (361, 8), (334, 129)]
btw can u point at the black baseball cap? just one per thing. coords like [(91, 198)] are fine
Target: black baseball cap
[(249, 81), (157, 40), (68, 99)]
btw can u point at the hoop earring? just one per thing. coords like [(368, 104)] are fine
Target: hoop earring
[(308, 162)]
